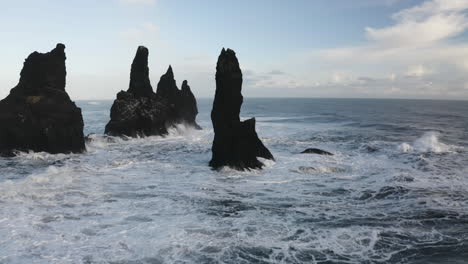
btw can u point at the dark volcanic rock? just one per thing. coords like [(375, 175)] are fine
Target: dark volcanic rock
[(38, 114), (141, 112), (236, 144), (183, 105), (316, 151), (140, 85), (188, 109)]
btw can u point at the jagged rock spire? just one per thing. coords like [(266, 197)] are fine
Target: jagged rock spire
[(185, 86), (188, 109), (167, 86), (139, 74), (236, 144), (170, 73), (228, 87), (141, 112)]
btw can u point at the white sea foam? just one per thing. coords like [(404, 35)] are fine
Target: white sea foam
[(428, 142), (155, 200), (405, 147)]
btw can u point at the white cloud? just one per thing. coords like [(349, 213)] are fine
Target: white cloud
[(340, 78), (418, 71), (432, 28), (274, 79), (420, 44), (425, 24)]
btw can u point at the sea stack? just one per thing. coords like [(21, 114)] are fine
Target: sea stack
[(140, 111), (38, 115), (182, 103), (236, 144)]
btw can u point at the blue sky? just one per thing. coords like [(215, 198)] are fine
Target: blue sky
[(332, 48)]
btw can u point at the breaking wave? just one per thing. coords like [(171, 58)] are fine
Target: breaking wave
[(429, 142)]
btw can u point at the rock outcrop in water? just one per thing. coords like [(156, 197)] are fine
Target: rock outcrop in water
[(38, 114), (182, 103), (236, 144), (141, 112), (316, 151)]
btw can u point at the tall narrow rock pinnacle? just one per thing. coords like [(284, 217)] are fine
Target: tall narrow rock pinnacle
[(236, 144), (139, 74)]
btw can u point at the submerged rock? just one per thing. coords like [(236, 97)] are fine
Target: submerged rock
[(236, 144), (38, 114), (97, 137), (312, 170), (141, 112), (316, 151)]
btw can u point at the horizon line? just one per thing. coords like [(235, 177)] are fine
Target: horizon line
[(340, 98)]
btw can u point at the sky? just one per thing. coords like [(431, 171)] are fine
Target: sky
[(298, 48)]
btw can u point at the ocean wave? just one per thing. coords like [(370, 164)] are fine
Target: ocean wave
[(428, 142)]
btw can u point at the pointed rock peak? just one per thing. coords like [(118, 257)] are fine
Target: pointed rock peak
[(185, 86), (228, 52), (141, 54), (227, 62), (59, 51), (139, 74), (169, 72), (167, 85), (60, 46), (142, 51)]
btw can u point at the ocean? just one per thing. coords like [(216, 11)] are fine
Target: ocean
[(396, 190)]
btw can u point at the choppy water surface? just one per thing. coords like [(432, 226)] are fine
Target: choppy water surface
[(395, 192)]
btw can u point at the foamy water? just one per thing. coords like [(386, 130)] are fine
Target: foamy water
[(395, 191)]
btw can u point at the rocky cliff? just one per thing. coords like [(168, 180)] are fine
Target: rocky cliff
[(38, 114)]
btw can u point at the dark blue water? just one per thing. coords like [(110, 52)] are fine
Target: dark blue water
[(396, 190)]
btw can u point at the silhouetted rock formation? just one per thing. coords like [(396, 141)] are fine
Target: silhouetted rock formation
[(183, 105), (141, 112), (236, 144), (38, 114), (140, 85), (316, 151), (188, 109)]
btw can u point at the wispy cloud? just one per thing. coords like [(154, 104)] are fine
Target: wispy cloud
[(274, 79), (418, 71), (421, 44)]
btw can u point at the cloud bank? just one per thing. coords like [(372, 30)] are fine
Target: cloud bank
[(419, 55)]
